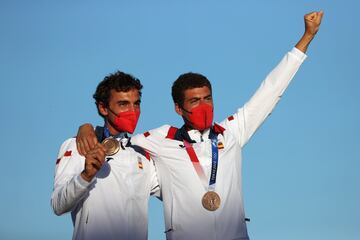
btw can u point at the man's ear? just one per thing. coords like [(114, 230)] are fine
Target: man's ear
[(178, 109), (102, 109)]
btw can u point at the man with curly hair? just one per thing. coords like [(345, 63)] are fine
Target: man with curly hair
[(107, 191), (199, 165)]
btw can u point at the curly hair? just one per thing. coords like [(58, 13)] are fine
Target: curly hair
[(118, 81), (187, 81)]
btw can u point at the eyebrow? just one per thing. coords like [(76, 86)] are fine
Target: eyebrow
[(127, 101), (197, 98), (194, 98), (123, 101)]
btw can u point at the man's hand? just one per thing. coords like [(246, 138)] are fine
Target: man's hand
[(312, 24), (94, 159), (86, 139)]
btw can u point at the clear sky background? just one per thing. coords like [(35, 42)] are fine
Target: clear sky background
[(301, 169)]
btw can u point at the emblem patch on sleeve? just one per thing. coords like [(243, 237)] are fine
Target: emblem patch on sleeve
[(67, 153)]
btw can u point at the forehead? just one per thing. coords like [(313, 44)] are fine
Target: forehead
[(197, 92), (131, 95)]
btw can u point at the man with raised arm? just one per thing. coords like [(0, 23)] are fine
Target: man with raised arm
[(199, 165)]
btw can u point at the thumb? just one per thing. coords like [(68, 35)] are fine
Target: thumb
[(320, 15), (310, 16)]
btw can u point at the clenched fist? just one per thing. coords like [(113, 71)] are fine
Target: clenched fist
[(312, 22)]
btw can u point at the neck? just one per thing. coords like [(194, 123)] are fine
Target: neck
[(113, 131)]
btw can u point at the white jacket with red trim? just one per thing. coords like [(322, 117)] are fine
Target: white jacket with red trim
[(182, 190), (114, 205)]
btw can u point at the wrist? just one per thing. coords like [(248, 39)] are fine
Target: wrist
[(86, 176), (309, 35)]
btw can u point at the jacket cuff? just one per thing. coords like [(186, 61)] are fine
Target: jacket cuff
[(82, 182), (298, 54)]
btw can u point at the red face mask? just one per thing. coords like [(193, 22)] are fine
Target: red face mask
[(126, 121), (201, 116)]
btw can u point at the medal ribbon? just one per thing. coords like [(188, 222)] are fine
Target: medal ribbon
[(107, 133), (214, 161), (120, 135)]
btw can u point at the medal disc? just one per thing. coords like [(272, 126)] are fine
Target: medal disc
[(111, 146), (211, 201)]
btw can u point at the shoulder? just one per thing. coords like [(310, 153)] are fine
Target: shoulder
[(160, 132), (68, 148)]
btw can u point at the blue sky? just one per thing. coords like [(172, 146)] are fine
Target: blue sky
[(300, 172)]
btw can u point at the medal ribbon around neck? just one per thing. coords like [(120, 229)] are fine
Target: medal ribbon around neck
[(214, 162)]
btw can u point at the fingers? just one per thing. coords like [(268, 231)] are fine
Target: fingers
[(310, 16), (85, 144), (312, 23), (97, 153), (314, 16), (99, 145), (80, 148), (93, 140), (94, 159), (85, 139), (92, 165), (320, 15)]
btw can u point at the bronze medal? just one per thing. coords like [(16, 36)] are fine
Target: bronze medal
[(111, 145), (211, 201)]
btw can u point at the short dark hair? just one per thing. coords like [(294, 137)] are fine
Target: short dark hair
[(119, 81), (187, 81)]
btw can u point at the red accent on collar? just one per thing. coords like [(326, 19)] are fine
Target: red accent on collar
[(146, 134), (231, 118), (171, 133), (67, 153), (218, 129), (147, 155)]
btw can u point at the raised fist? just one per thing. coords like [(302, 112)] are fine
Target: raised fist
[(312, 22)]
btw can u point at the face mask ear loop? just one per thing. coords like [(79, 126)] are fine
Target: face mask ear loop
[(182, 108), (112, 111)]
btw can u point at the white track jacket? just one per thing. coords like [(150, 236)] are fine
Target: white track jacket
[(182, 190), (114, 205)]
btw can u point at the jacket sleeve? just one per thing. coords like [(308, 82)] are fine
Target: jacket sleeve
[(151, 140), (155, 186), (69, 187), (248, 118)]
